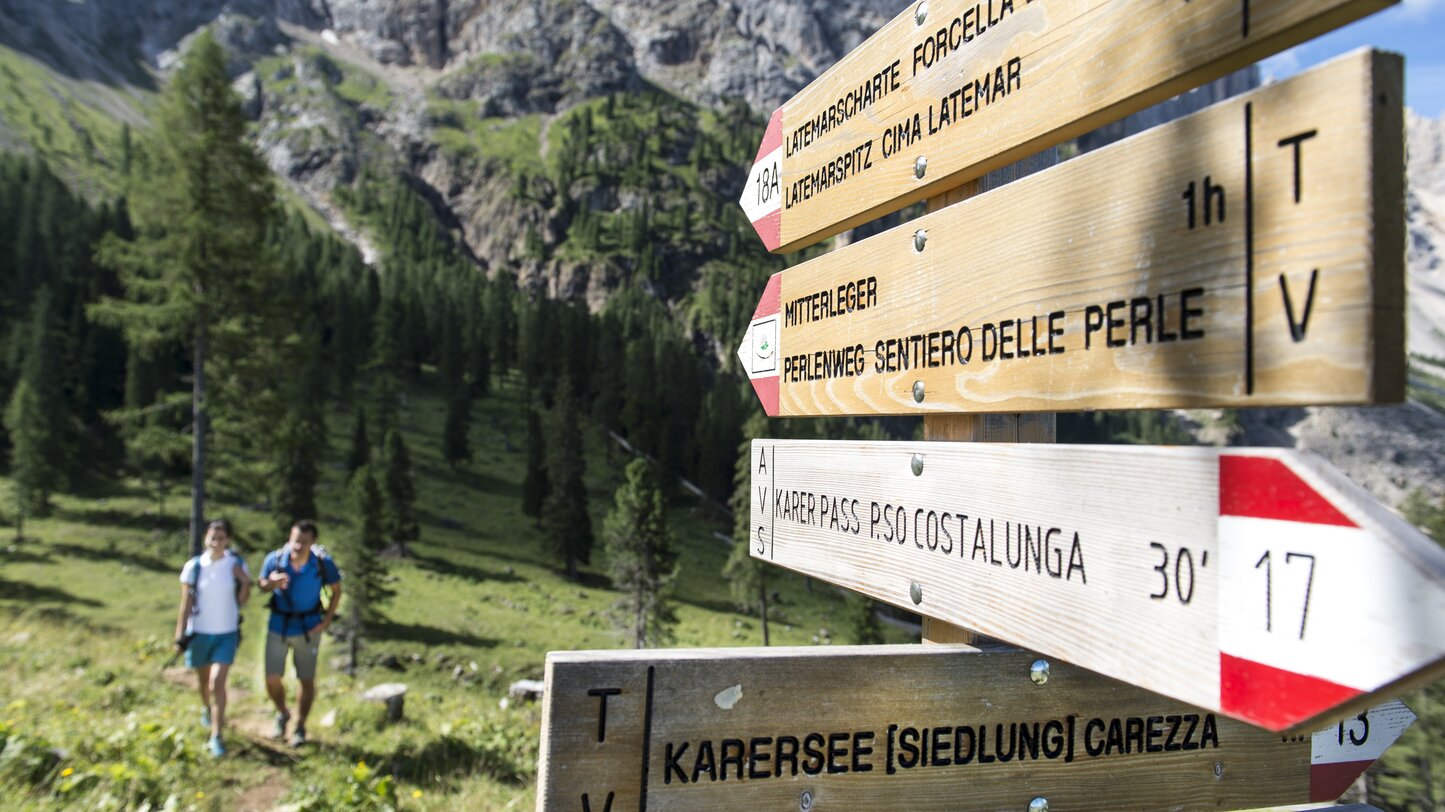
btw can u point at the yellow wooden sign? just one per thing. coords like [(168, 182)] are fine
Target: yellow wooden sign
[(949, 90), (1251, 254), (906, 727)]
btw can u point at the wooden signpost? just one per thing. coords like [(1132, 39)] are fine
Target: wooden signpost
[(947, 91), (905, 727), (1248, 255), (1258, 583)]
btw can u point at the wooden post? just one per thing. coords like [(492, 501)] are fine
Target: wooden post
[(985, 428)]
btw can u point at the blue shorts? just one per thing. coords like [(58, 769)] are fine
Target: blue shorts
[(206, 649)]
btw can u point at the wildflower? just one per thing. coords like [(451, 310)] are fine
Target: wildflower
[(67, 772), (200, 795), (416, 793)]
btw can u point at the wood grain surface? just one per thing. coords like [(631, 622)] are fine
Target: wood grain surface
[(978, 85), (1304, 598), (845, 728), (1251, 254)]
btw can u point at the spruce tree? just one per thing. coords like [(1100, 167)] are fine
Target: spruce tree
[(565, 518), (400, 489), (366, 588), (746, 576), (360, 453), (640, 557), (456, 446), (197, 273), (535, 484), (36, 418), (861, 621)]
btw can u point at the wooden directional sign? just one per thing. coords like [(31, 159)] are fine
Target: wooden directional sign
[(908, 727), (1259, 583), (951, 89), (1249, 255)]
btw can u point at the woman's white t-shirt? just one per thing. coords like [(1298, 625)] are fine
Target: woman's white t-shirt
[(216, 611)]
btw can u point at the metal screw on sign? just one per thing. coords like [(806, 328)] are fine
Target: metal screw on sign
[(918, 391), (805, 801), (915, 591), (921, 13), (1039, 805), (920, 239), (917, 464), (1218, 769), (920, 167), (1039, 673)]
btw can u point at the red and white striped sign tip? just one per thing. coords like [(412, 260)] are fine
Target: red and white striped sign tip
[(1280, 590), (1339, 755), (1304, 514), (759, 350), (762, 197)]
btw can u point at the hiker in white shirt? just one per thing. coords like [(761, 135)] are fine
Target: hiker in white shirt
[(214, 587)]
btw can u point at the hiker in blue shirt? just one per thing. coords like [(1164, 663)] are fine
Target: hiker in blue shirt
[(295, 575)]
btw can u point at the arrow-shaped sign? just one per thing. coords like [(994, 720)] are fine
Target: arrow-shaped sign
[(1248, 255), (951, 89), (910, 727), (1259, 583)]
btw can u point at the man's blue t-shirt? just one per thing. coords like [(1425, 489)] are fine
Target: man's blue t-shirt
[(303, 594)]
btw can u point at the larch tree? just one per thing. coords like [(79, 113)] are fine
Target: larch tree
[(197, 272)]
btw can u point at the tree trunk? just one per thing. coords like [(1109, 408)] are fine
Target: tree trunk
[(198, 440), (353, 643), (763, 607)]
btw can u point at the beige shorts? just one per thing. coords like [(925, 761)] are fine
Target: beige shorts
[(303, 654)]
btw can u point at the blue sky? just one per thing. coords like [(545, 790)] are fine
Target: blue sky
[(1415, 28)]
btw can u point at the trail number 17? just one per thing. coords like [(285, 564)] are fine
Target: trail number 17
[(1266, 563)]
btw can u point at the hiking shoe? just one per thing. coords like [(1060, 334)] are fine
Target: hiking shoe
[(279, 731), (205, 717), (298, 737), (217, 748)]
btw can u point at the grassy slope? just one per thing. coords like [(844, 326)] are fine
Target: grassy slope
[(75, 125), (88, 599)]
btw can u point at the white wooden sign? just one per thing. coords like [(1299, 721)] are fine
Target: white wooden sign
[(1256, 582)]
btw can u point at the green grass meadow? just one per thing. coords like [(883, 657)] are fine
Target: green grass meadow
[(88, 601)]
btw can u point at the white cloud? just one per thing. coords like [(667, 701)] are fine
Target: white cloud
[(1280, 66), (1420, 9)]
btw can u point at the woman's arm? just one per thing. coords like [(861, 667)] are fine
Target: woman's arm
[(187, 599), (243, 585)]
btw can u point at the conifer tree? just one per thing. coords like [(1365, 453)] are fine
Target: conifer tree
[(535, 484), (641, 560), (861, 621), (400, 515), (366, 588), (565, 517), (360, 453), (197, 272), (746, 576), (35, 418), (1411, 774), (456, 447)]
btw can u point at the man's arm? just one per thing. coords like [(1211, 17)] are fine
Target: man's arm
[(335, 601)]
